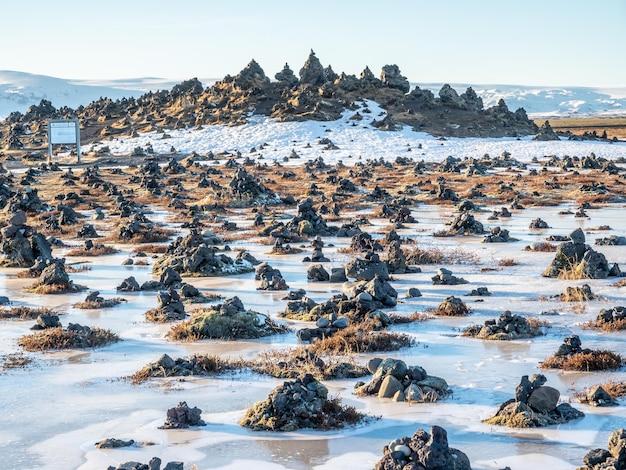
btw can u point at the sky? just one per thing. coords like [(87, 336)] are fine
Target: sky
[(520, 42)]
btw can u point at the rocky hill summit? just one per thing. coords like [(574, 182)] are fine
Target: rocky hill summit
[(317, 94)]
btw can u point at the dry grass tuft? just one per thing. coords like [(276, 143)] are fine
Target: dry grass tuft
[(439, 255), (613, 388), (99, 250), (14, 361), (294, 363), (413, 317), (95, 304), (58, 338), (506, 262), (360, 339), (44, 289), (585, 361), (151, 248), (25, 313), (198, 365)]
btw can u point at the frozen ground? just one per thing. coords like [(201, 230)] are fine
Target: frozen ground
[(52, 413)]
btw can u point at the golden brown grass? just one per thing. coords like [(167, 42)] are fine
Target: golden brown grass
[(614, 126), (203, 365), (585, 362), (52, 289), (59, 338), (14, 361), (151, 248), (94, 304), (506, 262), (360, 339), (439, 255), (25, 313), (294, 363), (615, 325), (100, 250)]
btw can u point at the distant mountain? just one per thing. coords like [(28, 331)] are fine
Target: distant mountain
[(549, 101), (20, 90)]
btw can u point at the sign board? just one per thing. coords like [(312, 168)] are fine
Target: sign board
[(63, 132)]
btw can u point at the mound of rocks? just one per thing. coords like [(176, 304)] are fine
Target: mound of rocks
[(444, 277), (423, 451), (580, 260), (499, 235), (572, 356), (376, 290), (577, 294), (507, 327), (229, 320), (182, 417), (466, 224), (302, 403), (271, 279), (193, 255), (612, 458), (368, 268), (538, 224), (534, 405), (611, 240), (598, 396), (22, 248), (308, 222), (452, 306), (611, 317), (394, 379), (154, 464), (169, 308), (245, 186)]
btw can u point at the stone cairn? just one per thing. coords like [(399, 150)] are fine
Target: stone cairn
[(423, 451), (612, 458), (534, 405)]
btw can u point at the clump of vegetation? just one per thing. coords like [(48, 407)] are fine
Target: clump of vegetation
[(507, 262), (25, 313), (360, 338), (96, 304), (56, 288), (543, 247), (98, 250), (571, 356), (75, 336), (293, 363), (197, 364), (229, 320), (612, 319), (507, 327), (577, 294), (440, 255), (14, 361), (452, 307)]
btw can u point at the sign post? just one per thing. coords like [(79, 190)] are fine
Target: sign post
[(63, 131)]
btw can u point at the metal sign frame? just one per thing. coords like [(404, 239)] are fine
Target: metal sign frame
[(63, 131)]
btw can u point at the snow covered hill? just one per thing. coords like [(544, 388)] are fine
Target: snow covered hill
[(549, 101), (19, 90)]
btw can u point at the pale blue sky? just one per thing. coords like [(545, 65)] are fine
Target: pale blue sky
[(526, 42)]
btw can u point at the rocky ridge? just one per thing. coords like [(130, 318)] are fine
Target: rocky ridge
[(318, 94)]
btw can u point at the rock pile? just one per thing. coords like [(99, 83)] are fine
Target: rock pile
[(466, 224), (193, 255), (181, 417), (598, 396), (614, 317), (169, 308), (229, 320), (534, 405), (578, 260), (613, 458), (444, 277), (368, 268), (154, 464), (302, 403), (271, 279), (499, 235), (452, 306), (394, 379), (424, 452), (507, 327), (21, 246), (572, 356)]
